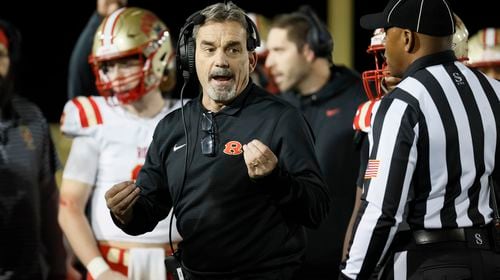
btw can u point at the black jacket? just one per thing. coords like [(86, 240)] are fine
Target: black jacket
[(330, 112), (231, 224)]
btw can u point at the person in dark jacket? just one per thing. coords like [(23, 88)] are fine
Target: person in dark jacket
[(237, 164), (31, 243), (300, 49)]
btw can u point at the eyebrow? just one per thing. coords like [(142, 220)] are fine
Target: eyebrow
[(227, 45)]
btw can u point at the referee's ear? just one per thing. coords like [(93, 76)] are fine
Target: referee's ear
[(409, 40)]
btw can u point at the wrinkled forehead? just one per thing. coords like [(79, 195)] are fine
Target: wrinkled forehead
[(213, 31)]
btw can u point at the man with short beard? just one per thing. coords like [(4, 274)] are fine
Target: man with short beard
[(241, 174)]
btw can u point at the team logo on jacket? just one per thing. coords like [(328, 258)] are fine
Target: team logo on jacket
[(332, 112), (233, 148), (27, 137)]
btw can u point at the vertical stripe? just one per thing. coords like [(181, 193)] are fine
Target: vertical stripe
[(420, 15), (97, 112), (465, 146), (81, 113), (109, 25), (451, 185), (387, 193), (438, 169), (88, 109), (476, 128), (490, 38), (490, 115), (368, 114), (400, 265), (370, 211), (452, 20)]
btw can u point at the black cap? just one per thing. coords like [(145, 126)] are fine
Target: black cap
[(430, 17)]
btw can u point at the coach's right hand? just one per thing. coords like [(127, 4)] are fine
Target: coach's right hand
[(120, 199)]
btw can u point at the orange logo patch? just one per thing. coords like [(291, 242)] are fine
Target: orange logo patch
[(233, 148)]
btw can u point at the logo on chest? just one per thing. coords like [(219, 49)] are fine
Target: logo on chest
[(233, 148)]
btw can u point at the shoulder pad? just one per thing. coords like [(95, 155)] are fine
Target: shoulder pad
[(80, 116), (362, 119)]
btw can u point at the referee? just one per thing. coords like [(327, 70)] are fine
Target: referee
[(433, 152)]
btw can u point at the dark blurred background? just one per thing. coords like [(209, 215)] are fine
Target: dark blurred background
[(51, 28)]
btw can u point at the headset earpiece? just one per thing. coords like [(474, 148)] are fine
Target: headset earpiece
[(186, 45), (318, 37), (253, 40)]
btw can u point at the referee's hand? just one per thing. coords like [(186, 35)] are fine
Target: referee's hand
[(120, 199), (260, 160)]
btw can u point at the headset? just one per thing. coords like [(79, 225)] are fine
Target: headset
[(185, 53), (318, 37), (186, 44)]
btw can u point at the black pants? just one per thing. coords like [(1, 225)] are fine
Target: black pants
[(443, 261)]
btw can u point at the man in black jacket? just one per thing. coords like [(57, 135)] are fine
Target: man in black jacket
[(242, 175), (300, 49)]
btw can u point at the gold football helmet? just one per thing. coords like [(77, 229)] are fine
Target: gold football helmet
[(460, 40), (133, 33)]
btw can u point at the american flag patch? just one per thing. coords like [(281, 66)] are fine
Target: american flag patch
[(372, 168)]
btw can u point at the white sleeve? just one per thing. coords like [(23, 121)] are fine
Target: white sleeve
[(82, 160)]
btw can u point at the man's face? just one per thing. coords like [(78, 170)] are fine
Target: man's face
[(394, 49), (288, 65), (223, 64)]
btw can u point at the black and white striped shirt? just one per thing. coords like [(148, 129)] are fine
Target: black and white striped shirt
[(433, 146)]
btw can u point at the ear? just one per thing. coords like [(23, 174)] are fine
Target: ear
[(409, 40), (308, 53), (252, 57)]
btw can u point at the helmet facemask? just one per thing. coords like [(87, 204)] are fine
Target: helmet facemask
[(373, 79)]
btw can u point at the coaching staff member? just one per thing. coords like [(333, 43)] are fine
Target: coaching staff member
[(251, 181), (433, 149)]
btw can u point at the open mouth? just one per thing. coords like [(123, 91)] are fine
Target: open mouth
[(221, 78)]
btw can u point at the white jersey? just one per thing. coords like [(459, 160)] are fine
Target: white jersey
[(109, 147)]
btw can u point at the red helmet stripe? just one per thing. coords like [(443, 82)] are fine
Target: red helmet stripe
[(109, 27)]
